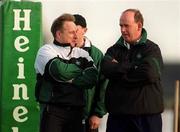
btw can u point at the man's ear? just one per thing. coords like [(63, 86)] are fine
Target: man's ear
[(85, 30), (140, 26), (58, 34)]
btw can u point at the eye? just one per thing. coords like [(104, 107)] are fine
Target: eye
[(126, 25)]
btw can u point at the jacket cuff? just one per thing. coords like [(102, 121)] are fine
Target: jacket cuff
[(98, 115)]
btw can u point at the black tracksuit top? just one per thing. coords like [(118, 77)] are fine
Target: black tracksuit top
[(135, 81)]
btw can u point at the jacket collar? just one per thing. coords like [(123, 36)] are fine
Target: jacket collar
[(141, 41), (87, 44), (61, 44)]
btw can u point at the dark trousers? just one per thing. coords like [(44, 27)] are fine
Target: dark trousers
[(61, 119), (127, 123)]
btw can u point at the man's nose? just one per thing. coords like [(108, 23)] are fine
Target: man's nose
[(123, 29)]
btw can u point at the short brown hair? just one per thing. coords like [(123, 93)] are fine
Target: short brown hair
[(58, 22), (138, 17)]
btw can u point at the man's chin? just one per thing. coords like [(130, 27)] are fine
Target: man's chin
[(126, 39), (73, 44)]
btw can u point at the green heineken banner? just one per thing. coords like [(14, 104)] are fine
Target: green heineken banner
[(20, 38)]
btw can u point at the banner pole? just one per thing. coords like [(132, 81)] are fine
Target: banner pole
[(176, 106)]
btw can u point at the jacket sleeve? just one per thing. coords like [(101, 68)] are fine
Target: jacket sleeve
[(112, 69), (99, 107), (72, 72), (62, 71), (89, 74), (100, 89), (87, 79), (147, 70)]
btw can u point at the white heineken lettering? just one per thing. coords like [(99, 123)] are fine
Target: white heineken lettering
[(21, 22), (17, 88), (19, 114), (25, 19), (21, 43), (20, 68), (15, 129)]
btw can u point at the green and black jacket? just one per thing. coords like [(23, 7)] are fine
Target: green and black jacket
[(95, 97), (135, 81), (63, 73)]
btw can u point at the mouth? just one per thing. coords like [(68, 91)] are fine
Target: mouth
[(124, 35)]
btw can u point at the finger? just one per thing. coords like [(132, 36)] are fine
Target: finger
[(95, 126), (92, 126)]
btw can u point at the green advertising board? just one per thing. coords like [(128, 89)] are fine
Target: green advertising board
[(20, 38)]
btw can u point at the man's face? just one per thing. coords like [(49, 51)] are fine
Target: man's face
[(130, 30), (68, 33), (80, 32)]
